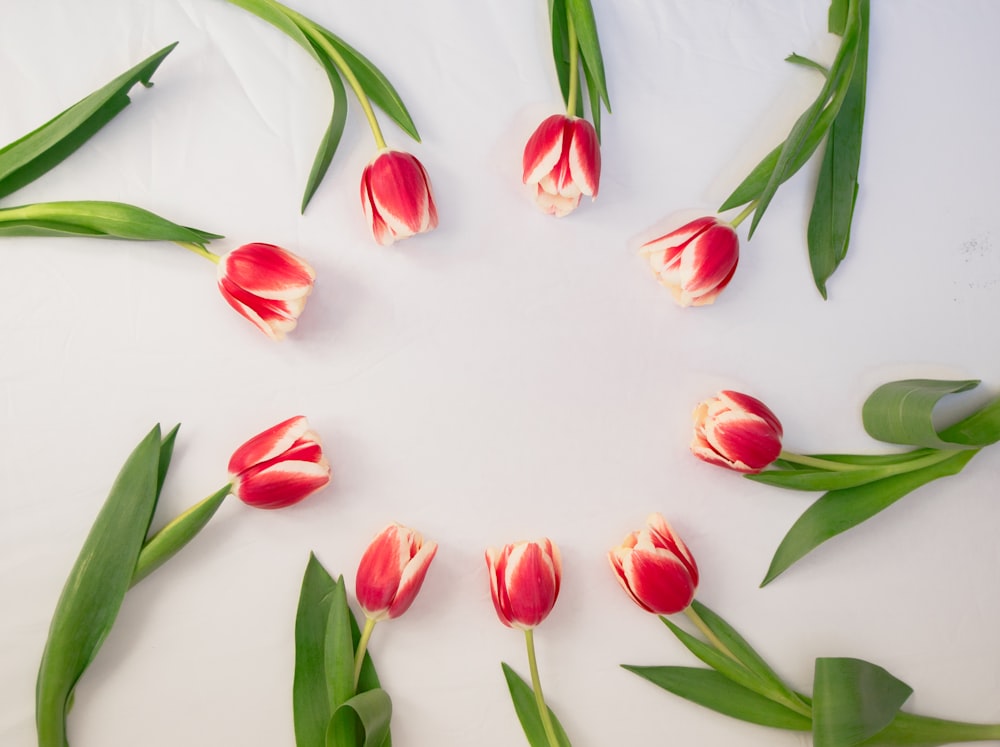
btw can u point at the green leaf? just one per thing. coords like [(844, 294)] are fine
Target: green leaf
[(797, 59), (375, 85), (368, 711), (853, 700), (339, 665), (908, 730), (95, 588), (805, 479), (837, 17), (526, 708), (582, 14), (859, 460), (829, 229), (840, 510), (595, 102), (981, 427), (713, 690), (311, 709), (166, 454), (560, 49), (334, 131), (900, 412), (94, 218), (831, 97), (166, 543), (773, 686), (26, 159)]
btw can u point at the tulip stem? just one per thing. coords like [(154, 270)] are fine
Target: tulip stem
[(200, 250), (359, 656), (536, 685), (574, 65), (735, 222), (707, 632), (810, 461)]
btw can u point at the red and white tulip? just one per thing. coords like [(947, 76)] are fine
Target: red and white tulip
[(655, 568), (391, 572), (696, 261), (266, 284), (524, 581), (279, 467), (562, 161), (737, 431), (396, 197)]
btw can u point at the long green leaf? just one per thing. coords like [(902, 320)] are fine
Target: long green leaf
[(334, 132), (96, 587), (172, 538), (840, 510), (853, 700), (369, 712), (166, 454), (375, 85), (831, 98), (585, 25), (311, 710), (595, 101), (981, 427), (28, 158), (526, 708), (747, 655), (95, 218), (900, 412), (837, 16), (829, 229), (560, 48), (712, 690), (801, 479), (339, 666), (908, 730)]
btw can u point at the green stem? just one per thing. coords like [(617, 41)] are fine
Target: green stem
[(910, 730), (735, 222), (574, 65), (536, 685), (200, 250), (707, 632), (810, 461), (315, 33), (167, 542), (359, 656)]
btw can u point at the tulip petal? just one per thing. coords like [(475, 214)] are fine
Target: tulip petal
[(268, 271), (530, 581), (584, 157), (412, 578), (747, 440), (281, 484), (398, 188), (268, 444), (657, 581), (544, 149), (379, 572)]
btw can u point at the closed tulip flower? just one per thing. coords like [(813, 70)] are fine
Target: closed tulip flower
[(391, 572), (655, 568), (396, 196), (737, 431), (695, 262), (279, 467), (524, 581), (562, 160), (266, 284)]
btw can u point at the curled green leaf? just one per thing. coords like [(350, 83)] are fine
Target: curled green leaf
[(370, 713), (96, 218), (28, 158), (96, 587), (900, 412), (853, 700)]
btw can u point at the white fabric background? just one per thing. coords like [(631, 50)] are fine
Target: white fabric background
[(507, 376)]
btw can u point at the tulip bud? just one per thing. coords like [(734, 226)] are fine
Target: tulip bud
[(266, 284), (737, 431), (524, 581), (391, 572), (280, 466), (396, 197), (655, 568), (562, 160), (696, 261)]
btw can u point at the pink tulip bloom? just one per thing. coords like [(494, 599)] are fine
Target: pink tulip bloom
[(524, 581), (737, 431), (266, 284), (391, 572), (655, 568), (280, 466), (562, 160), (697, 261), (396, 196)]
